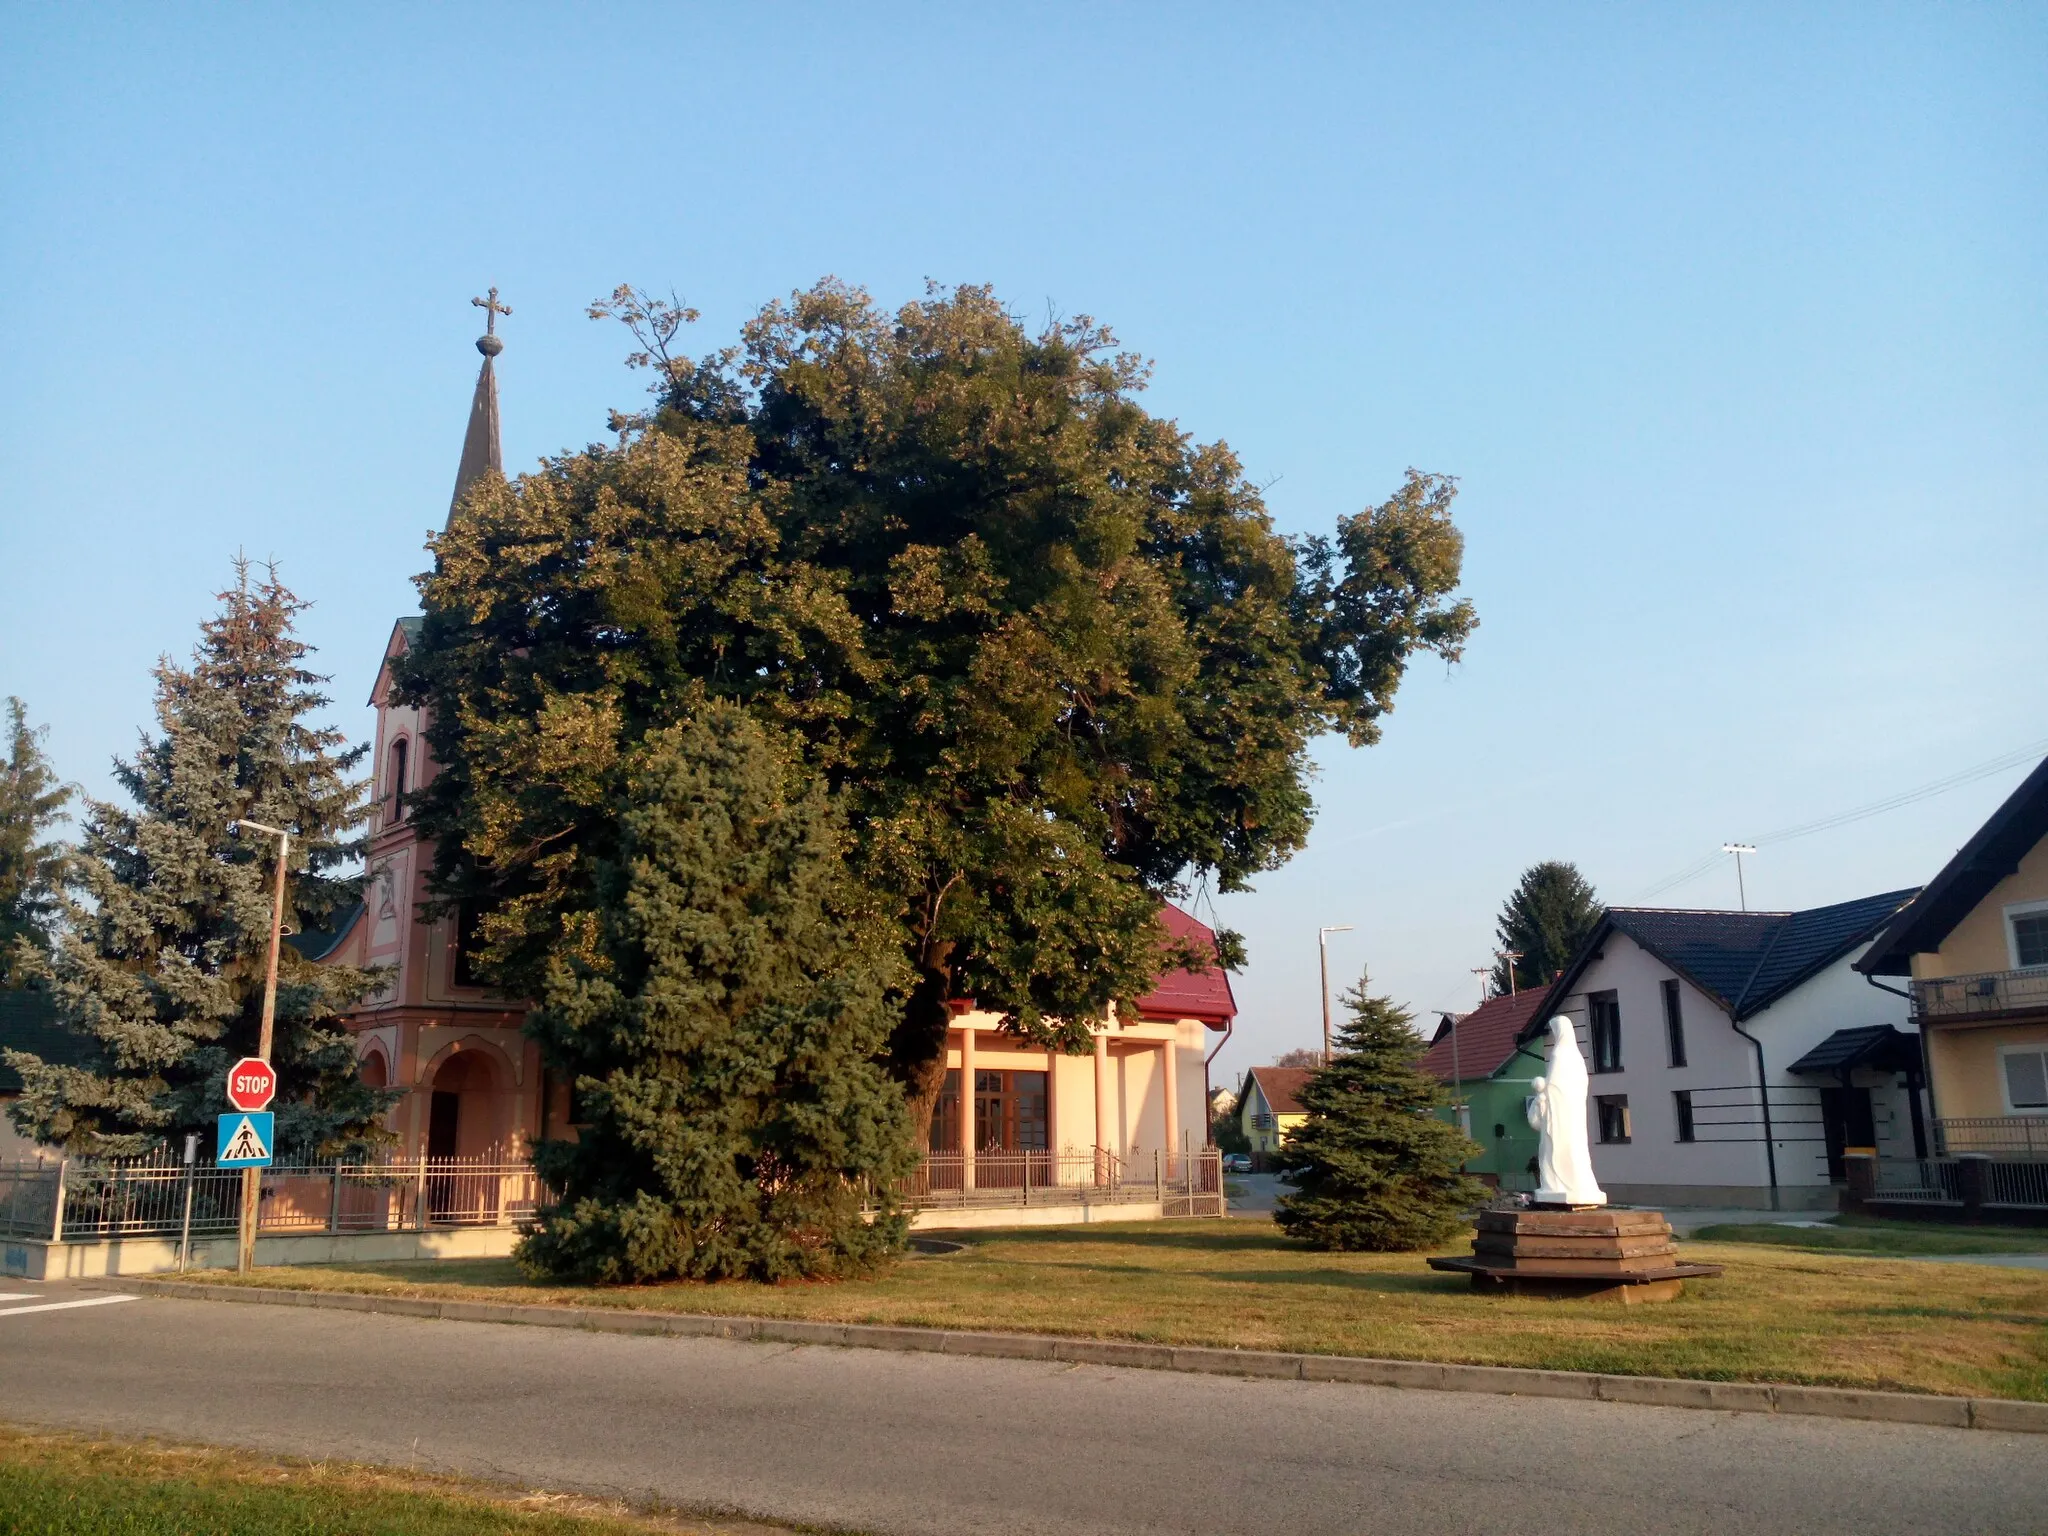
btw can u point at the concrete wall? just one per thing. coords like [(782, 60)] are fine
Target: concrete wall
[(1979, 942)]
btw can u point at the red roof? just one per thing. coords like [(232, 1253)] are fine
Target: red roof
[(1485, 1036), (1183, 994), (1280, 1085)]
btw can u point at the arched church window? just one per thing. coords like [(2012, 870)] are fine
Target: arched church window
[(396, 779)]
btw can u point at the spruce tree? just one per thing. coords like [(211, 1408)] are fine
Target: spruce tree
[(721, 1019), (1551, 913), (31, 864), (1373, 1168), (159, 962)]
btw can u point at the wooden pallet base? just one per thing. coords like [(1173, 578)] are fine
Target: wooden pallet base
[(1592, 1255)]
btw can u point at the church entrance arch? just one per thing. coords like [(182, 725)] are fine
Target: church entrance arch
[(462, 1107)]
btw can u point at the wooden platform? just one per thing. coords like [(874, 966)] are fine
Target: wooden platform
[(1626, 1256)]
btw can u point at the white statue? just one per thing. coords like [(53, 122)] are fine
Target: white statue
[(1564, 1164)]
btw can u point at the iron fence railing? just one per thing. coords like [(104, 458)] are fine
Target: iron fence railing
[(2021, 1136), (1988, 992), (1971, 1182), (2024, 1184), (85, 1200)]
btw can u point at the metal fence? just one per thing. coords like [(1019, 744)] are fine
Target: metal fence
[(1969, 1182), (2019, 1136), (1986, 993), (86, 1200), (81, 1200)]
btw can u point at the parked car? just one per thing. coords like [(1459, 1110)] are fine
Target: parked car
[(1237, 1162)]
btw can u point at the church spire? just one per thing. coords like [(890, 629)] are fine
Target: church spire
[(480, 451)]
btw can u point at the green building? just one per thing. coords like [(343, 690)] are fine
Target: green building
[(1475, 1056)]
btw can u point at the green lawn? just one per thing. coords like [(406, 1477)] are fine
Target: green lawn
[(66, 1485), (1871, 1235), (1776, 1315)]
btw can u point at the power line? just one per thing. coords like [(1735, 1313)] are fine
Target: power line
[(1899, 801)]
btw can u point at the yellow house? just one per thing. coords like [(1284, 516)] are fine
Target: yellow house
[(1975, 945), (1267, 1108)]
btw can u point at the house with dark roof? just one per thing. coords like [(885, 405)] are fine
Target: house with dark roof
[(1973, 946), (1267, 1108), (1734, 1056), (1481, 1058)]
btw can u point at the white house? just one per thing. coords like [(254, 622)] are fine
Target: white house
[(1735, 1054)]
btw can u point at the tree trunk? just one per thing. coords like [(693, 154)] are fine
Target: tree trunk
[(917, 1047)]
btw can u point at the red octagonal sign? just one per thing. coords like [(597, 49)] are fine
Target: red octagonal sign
[(251, 1083)]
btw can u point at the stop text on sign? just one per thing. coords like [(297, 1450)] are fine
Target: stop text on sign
[(251, 1083)]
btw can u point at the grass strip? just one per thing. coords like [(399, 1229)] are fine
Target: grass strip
[(1872, 1236), (56, 1484), (1777, 1315)]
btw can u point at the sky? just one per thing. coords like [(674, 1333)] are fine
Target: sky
[(1729, 319)]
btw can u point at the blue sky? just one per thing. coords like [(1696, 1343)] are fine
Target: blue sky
[(1730, 319)]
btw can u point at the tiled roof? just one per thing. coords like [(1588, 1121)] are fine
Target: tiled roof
[(1993, 852), (1485, 1037), (1183, 994), (1280, 1085), (1745, 961), (1878, 1046), (319, 943), (28, 1022)]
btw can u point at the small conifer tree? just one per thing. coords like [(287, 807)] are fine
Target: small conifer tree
[(722, 1021), (160, 957), (31, 862), (1373, 1167)]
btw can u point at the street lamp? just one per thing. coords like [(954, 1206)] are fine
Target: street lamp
[(1739, 849), (252, 1178), (1323, 946)]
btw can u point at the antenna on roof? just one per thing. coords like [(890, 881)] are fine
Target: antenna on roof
[(1739, 849)]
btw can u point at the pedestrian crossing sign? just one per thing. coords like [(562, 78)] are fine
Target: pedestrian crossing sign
[(245, 1139)]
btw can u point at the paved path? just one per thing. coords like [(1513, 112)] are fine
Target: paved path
[(890, 1442)]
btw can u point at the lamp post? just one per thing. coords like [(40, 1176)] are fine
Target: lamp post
[(1323, 948), (1739, 849), (252, 1178)]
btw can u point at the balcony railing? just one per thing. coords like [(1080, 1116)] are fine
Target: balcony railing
[(1989, 994), (2021, 1136)]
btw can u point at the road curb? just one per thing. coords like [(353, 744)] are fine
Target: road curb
[(1654, 1391)]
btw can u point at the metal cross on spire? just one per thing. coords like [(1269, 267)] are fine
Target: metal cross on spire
[(492, 309)]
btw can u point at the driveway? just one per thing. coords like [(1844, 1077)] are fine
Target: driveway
[(917, 1443)]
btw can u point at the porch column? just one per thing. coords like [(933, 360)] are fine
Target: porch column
[(966, 1107), (1104, 1140), (1169, 1063)]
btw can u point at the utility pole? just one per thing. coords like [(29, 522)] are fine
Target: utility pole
[(1511, 956), (1739, 849), (252, 1178), (1323, 948)]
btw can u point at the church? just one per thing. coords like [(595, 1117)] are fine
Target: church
[(473, 1085)]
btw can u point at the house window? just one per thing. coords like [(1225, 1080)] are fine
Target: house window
[(2026, 1080), (396, 781), (1674, 1027), (2028, 930), (1603, 1012), (1613, 1109), (1682, 1102)]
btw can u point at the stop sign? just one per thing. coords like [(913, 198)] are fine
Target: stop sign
[(251, 1082)]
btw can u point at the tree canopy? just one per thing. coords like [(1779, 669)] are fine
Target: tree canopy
[(31, 861), (1372, 1166), (1550, 914), (723, 1019), (1048, 653), (160, 959)]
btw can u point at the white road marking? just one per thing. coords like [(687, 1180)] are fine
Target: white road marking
[(66, 1306), (21, 1296)]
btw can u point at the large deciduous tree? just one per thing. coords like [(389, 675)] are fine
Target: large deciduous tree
[(159, 962), (723, 1009), (1551, 912), (31, 861), (1048, 653), (1372, 1166)]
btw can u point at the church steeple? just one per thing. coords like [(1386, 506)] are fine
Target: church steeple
[(480, 451)]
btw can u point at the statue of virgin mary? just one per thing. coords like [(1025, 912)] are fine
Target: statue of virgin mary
[(1557, 1109)]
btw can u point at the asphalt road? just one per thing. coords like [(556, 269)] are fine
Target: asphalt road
[(888, 1442)]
